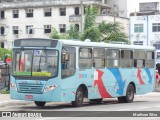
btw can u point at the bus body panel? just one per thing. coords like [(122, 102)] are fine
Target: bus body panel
[(100, 82)]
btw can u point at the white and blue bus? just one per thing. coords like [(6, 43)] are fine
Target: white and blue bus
[(45, 70)]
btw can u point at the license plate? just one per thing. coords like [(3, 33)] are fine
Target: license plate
[(28, 96)]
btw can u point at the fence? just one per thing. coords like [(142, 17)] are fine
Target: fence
[(4, 76)]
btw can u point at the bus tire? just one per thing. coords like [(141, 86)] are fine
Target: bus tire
[(79, 98), (129, 95), (97, 101), (39, 104)]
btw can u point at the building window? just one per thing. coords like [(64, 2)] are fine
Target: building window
[(2, 30), (76, 12), (62, 28), (157, 45), (15, 30), (29, 13), (29, 29), (47, 12), (47, 28), (15, 13), (2, 45), (155, 27), (77, 27), (2, 14), (138, 42), (62, 11), (138, 28)]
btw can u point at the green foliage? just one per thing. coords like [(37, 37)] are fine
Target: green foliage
[(90, 17), (64, 36), (112, 32), (3, 52), (92, 33), (4, 92), (54, 34), (73, 32)]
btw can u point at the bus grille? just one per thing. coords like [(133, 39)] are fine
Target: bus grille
[(30, 88)]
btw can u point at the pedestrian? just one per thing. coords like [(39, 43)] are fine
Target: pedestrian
[(157, 77)]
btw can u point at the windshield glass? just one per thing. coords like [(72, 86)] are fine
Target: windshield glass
[(35, 63)]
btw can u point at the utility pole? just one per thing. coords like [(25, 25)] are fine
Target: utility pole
[(114, 10), (81, 16)]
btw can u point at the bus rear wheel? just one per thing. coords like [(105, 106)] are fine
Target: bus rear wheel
[(129, 95), (39, 104), (97, 101), (79, 98)]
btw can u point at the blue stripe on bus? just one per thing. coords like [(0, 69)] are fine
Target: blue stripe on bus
[(149, 75), (120, 82)]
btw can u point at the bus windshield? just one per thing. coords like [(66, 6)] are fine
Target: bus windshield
[(35, 63)]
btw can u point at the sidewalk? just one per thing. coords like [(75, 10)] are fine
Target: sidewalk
[(5, 99)]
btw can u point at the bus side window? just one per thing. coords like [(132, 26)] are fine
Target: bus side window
[(126, 58), (112, 58), (68, 61), (139, 59), (85, 58)]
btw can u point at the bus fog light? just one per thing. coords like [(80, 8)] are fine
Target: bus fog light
[(49, 88)]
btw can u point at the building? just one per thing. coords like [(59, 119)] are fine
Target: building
[(35, 18), (145, 26), (123, 8)]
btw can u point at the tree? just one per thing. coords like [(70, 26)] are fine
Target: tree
[(90, 17), (112, 32), (92, 33), (54, 34), (90, 29), (73, 32), (3, 52)]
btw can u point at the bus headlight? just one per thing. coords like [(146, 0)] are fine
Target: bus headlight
[(13, 86), (49, 88)]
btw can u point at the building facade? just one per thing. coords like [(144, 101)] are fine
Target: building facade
[(145, 27), (145, 30), (35, 18)]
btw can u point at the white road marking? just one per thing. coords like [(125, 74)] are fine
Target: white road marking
[(47, 118)]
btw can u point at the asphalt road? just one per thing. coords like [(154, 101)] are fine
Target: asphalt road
[(61, 111)]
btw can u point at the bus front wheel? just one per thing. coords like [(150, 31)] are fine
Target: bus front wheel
[(129, 95), (39, 104), (79, 98)]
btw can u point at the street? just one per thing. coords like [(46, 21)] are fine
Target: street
[(140, 104)]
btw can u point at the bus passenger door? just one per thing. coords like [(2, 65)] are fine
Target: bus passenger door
[(68, 70)]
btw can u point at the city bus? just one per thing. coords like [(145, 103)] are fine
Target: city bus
[(46, 70)]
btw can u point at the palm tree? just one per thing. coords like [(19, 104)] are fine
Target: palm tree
[(112, 32)]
